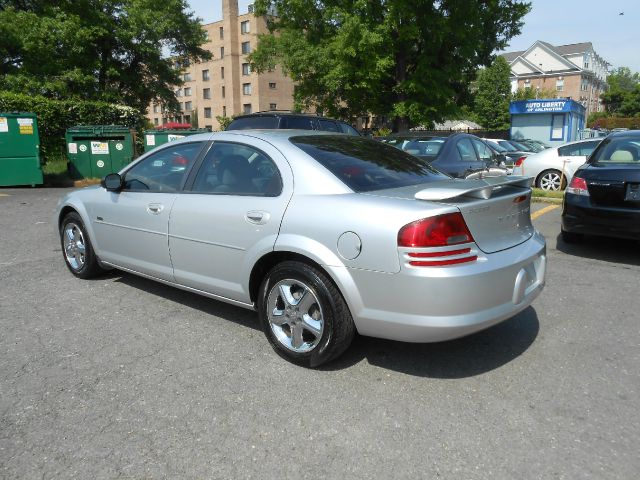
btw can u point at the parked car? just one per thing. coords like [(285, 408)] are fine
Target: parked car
[(289, 120), (534, 145), (511, 154), (323, 234), (603, 197), (553, 168), (460, 155)]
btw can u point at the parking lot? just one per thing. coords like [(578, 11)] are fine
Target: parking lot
[(121, 377)]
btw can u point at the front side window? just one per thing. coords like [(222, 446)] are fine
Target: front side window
[(366, 165), (235, 169), (162, 171)]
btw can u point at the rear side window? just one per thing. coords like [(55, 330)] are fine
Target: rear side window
[(301, 123), (465, 149), (578, 149), (365, 165), (253, 122), (328, 125), (348, 129)]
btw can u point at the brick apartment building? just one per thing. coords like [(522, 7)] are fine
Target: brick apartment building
[(573, 71), (225, 85)]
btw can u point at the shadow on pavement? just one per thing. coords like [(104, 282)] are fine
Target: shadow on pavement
[(614, 250)]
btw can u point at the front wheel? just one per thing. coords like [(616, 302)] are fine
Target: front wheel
[(303, 315), (77, 249)]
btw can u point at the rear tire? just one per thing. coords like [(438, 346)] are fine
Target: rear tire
[(303, 315), (571, 237), (551, 180), (77, 250)]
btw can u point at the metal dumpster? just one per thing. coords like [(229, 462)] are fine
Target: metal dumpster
[(19, 150), (96, 150), (153, 138)]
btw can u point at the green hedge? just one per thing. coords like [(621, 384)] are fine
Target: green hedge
[(632, 123), (55, 116)]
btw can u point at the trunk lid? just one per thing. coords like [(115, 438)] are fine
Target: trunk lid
[(613, 185), (497, 210)]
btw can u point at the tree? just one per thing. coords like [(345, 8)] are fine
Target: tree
[(529, 93), (491, 104), (622, 85), (411, 61), (109, 50)]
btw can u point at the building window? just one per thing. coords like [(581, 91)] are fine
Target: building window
[(181, 106), (155, 109), (224, 111), (584, 85), (205, 75), (246, 108), (187, 77), (207, 112), (188, 106), (221, 52), (155, 121), (187, 92), (223, 91), (221, 33), (244, 27), (246, 69), (559, 85), (206, 93), (222, 73), (187, 119), (246, 89), (273, 106), (557, 127), (246, 47), (272, 85), (206, 35), (179, 92)]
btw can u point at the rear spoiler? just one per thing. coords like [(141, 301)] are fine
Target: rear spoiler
[(478, 188)]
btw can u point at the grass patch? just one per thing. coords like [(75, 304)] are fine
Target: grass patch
[(538, 192)]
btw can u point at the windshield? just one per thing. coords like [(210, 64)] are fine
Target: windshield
[(519, 146), (365, 165), (507, 146), (617, 150), (497, 146)]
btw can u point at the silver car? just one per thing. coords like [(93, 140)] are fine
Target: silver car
[(325, 235), (553, 168)]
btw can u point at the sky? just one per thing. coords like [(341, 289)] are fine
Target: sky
[(615, 37)]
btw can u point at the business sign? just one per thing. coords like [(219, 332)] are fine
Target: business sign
[(545, 106)]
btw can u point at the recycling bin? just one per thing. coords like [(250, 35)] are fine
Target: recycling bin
[(153, 138), (19, 150), (97, 150)]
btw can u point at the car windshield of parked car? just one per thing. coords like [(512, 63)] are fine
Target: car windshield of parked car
[(519, 146), (497, 147), (507, 146), (617, 150), (365, 165)]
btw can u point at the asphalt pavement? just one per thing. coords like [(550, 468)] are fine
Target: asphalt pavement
[(121, 377)]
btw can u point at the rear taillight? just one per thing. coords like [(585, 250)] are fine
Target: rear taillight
[(519, 162), (578, 186), (440, 231)]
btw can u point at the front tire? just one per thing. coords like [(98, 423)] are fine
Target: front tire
[(77, 249), (303, 315)]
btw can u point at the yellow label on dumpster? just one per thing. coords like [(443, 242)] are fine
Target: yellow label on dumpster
[(26, 126)]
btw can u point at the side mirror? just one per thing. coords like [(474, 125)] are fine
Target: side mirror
[(112, 182)]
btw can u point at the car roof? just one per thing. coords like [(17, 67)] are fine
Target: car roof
[(625, 133)]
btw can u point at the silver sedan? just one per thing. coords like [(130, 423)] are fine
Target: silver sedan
[(324, 235)]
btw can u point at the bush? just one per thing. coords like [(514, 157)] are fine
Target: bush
[(609, 123), (55, 116)]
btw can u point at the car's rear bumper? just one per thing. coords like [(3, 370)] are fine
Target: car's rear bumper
[(579, 216), (431, 304)]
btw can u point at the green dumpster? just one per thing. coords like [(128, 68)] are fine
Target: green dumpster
[(153, 138), (19, 150), (97, 150)]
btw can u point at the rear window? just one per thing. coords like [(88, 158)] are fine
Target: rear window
[(617, 150), (253, 122), (365, 165), (302, 123)]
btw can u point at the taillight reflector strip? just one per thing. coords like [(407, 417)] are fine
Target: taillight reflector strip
[(441, 263), (447, 253)]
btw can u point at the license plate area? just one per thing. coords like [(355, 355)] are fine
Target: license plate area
[(633, 192)]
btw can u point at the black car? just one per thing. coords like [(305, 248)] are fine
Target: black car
[(461, 155), (289, 120), (603, 197)]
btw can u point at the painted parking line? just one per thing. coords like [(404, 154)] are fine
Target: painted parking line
[(542, 211), (4, 194)]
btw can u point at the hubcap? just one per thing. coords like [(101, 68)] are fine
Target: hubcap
[(550, 181), (74, 247), (295, 315)]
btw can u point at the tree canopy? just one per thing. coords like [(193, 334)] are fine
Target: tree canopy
[(120, 51), (491, 104), (623, 96), (408, 60)]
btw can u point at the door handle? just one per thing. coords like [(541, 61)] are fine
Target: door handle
[(258, 217), (155, 208)]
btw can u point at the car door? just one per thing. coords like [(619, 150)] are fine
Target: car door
[(131, 225), (573, 156), (229, 217), (459, 159)]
